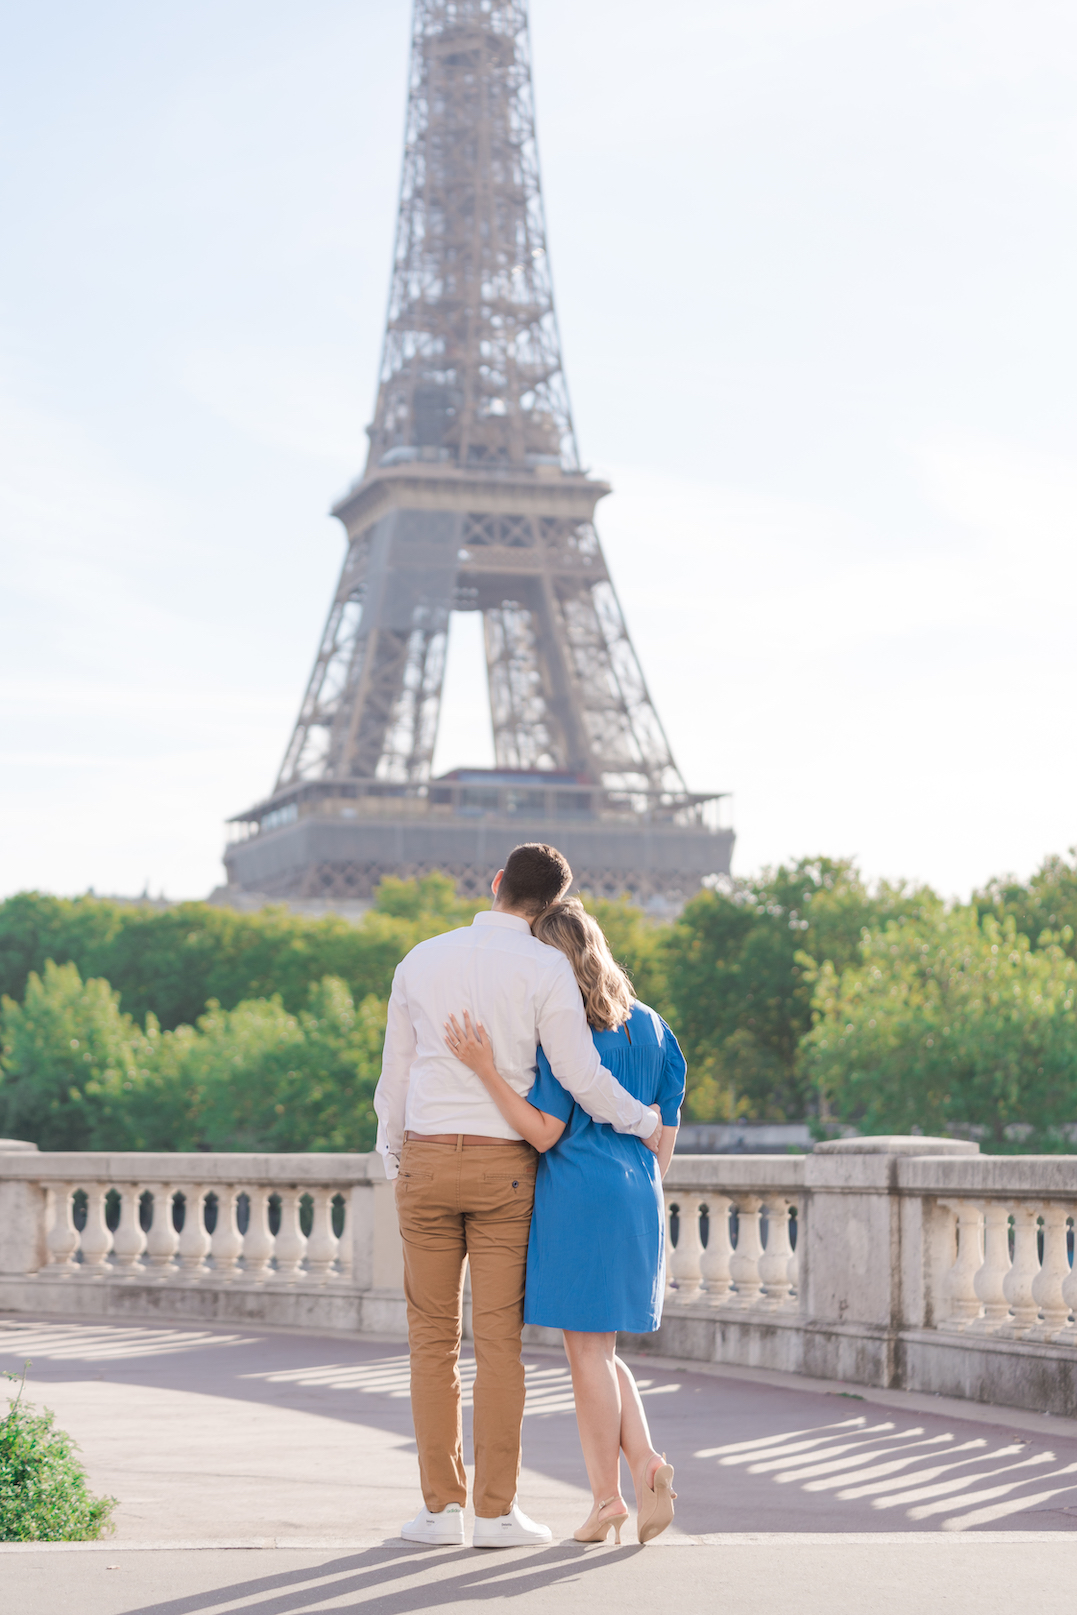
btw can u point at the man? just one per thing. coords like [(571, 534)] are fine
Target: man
[(465, 1181)]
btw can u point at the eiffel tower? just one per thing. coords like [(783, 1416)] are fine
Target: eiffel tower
[(474, 499)]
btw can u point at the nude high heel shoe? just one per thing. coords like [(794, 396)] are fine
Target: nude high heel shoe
[(656, 1506), (595, 1529)]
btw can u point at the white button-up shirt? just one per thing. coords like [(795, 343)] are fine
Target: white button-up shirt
[(524, 993)]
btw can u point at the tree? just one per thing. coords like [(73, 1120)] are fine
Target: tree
[(1046, 904), (78, 1074), (949, 1021), (257, 1078), (169, 963), (740, 966), (73, 1066)]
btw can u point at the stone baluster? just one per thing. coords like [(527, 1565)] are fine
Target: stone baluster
[(162, 1241), (96, 1239), (714, 1263), (774, 1262), (345, 1249), (964, 1304), (990, 1279), (194, 1242), (129, 1240), (322, 1244), (744, 1263), (670, 1293), (258, 1241), (291, 1241), (62, 1239), (1017, 1284), (689, 1249), (226, 1241), (1047, 1286), (1068, 1335)]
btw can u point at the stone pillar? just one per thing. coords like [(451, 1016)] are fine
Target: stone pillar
[(22, 1226), (870, 1254), (359, 1233)]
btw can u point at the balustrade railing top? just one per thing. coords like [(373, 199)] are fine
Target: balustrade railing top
[(29, 1164)]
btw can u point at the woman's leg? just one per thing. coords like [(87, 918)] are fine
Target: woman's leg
[(635, 1433), (596, 1387)]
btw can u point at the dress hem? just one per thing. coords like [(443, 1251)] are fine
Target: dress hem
[(597, 1328)]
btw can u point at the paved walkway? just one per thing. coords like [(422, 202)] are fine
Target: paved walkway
[(792, 1495)]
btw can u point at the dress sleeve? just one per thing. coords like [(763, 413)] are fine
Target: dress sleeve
[(670, 1095), (547, 1093)]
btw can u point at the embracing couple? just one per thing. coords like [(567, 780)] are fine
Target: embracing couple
[(527, 1108)]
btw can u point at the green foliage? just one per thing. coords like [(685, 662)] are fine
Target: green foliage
[(171, 962), (740, 967), (199, 1027), (257, 1078), (73, 1067), (1047, 904), (44, 1496), (949, 1021), (78, 1074)]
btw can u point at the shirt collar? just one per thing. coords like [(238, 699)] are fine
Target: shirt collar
[(514, 922)]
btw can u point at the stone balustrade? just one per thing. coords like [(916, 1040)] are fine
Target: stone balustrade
[(287, 1239), (754, 1267), (908, 1263)]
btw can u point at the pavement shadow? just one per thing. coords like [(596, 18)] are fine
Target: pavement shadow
[(375, 1576), (749, 1456)]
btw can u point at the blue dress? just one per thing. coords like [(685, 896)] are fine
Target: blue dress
[(596, 1257)]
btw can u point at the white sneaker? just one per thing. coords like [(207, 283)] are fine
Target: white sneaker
[(512, 1530), (441, 1530)]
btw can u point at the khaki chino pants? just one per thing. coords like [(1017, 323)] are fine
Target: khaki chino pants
[(455, 1202)]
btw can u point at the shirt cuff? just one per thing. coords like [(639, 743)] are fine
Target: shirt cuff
[(647, 1123), (392, 1165)]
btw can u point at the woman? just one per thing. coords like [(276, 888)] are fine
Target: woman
[(596, 1258)]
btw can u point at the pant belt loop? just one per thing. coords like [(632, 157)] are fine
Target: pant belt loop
[(459, 1142)]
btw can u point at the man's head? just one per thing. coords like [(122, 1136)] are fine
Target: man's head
[(534, 876)]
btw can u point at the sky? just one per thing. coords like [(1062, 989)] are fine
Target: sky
[(815, 265)]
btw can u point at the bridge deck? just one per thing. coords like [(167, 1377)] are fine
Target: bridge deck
[(301, 1445)]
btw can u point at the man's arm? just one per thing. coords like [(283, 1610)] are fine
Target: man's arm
[(390, 1096), (569, 1047)]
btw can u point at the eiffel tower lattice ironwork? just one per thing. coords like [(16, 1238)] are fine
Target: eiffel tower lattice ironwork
[(473, 498)]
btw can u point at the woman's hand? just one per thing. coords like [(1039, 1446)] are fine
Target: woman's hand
[(471, 1045)]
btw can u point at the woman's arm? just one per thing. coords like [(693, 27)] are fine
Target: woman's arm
[(471, 1045), (665, 1148)]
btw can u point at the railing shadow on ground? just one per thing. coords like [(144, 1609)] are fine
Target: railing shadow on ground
[(749, 1456)]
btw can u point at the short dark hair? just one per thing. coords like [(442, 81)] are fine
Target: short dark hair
[(535, 876)]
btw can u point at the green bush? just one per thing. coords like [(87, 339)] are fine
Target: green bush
[(43, 1492)]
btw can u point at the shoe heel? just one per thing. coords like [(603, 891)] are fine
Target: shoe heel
[(601, 1528)]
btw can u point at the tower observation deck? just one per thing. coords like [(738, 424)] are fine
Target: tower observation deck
[(473, 499)]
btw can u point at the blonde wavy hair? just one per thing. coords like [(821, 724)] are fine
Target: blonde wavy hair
[(607, 991)]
